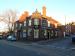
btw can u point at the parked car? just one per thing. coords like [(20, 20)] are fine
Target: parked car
[(11, 38), (73, 38)]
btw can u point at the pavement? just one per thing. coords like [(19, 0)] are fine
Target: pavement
[(57, 47)]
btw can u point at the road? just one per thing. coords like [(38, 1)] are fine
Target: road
[(11, 49), (59, 47), (65, 43)]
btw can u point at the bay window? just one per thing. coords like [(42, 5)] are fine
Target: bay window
[(36, 21)]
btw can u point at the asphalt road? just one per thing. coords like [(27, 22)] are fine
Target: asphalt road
[(10, 50), (59, 47), (65, 43)]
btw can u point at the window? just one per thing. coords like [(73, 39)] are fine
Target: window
[(24, 23), (48, 25), (30, 22), (29, 32), (56, 33), (52, 33), (36, 33), (44, 23), (15, 33), (20, 26), (55, 25), (36, 22), (16, 25), (24, 33), (45, 32)]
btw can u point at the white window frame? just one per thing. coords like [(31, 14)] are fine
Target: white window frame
[(20, 25), (24, 23), (30, 22), (48, 25), (16, 24), (24, 33), (45, 32), (29, 32), (36, 21), (36, 33)]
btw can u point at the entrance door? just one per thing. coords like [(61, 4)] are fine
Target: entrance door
[(36, 33), (48, 34)]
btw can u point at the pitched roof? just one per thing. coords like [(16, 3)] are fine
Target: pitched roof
[(51, 19)]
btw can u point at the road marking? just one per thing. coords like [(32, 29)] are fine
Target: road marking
[(73, 48)]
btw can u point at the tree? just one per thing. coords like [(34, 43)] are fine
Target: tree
[(11, 17)]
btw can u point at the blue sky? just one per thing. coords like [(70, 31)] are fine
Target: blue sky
[(58, 9)]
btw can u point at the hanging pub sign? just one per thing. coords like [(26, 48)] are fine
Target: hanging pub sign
[(36, 26)]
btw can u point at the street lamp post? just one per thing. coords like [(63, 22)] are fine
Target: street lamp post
[(65, 28)]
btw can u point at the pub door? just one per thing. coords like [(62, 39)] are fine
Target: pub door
[(48, 34)]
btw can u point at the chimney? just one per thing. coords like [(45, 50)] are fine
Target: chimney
[(23, 16), (44, 11), (26, 13)]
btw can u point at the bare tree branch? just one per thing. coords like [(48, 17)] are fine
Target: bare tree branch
[(11, 16)]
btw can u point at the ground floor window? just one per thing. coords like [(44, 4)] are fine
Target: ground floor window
[(29, 32), (45, 32), (24, 33), (36, 33), (15, 33), (20, 34), (52, 33), (56, 33)]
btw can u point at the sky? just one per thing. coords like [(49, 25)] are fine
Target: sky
[(61, 10)]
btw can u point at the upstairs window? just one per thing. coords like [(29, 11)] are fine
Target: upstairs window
[(44, 23), (36, 22), (24, 23), (16, 24), (20, 25), (30, 22), (48, 23)]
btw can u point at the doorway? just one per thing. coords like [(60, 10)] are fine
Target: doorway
[(48, 34)]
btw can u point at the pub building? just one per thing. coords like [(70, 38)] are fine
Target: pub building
[(36, 27)]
